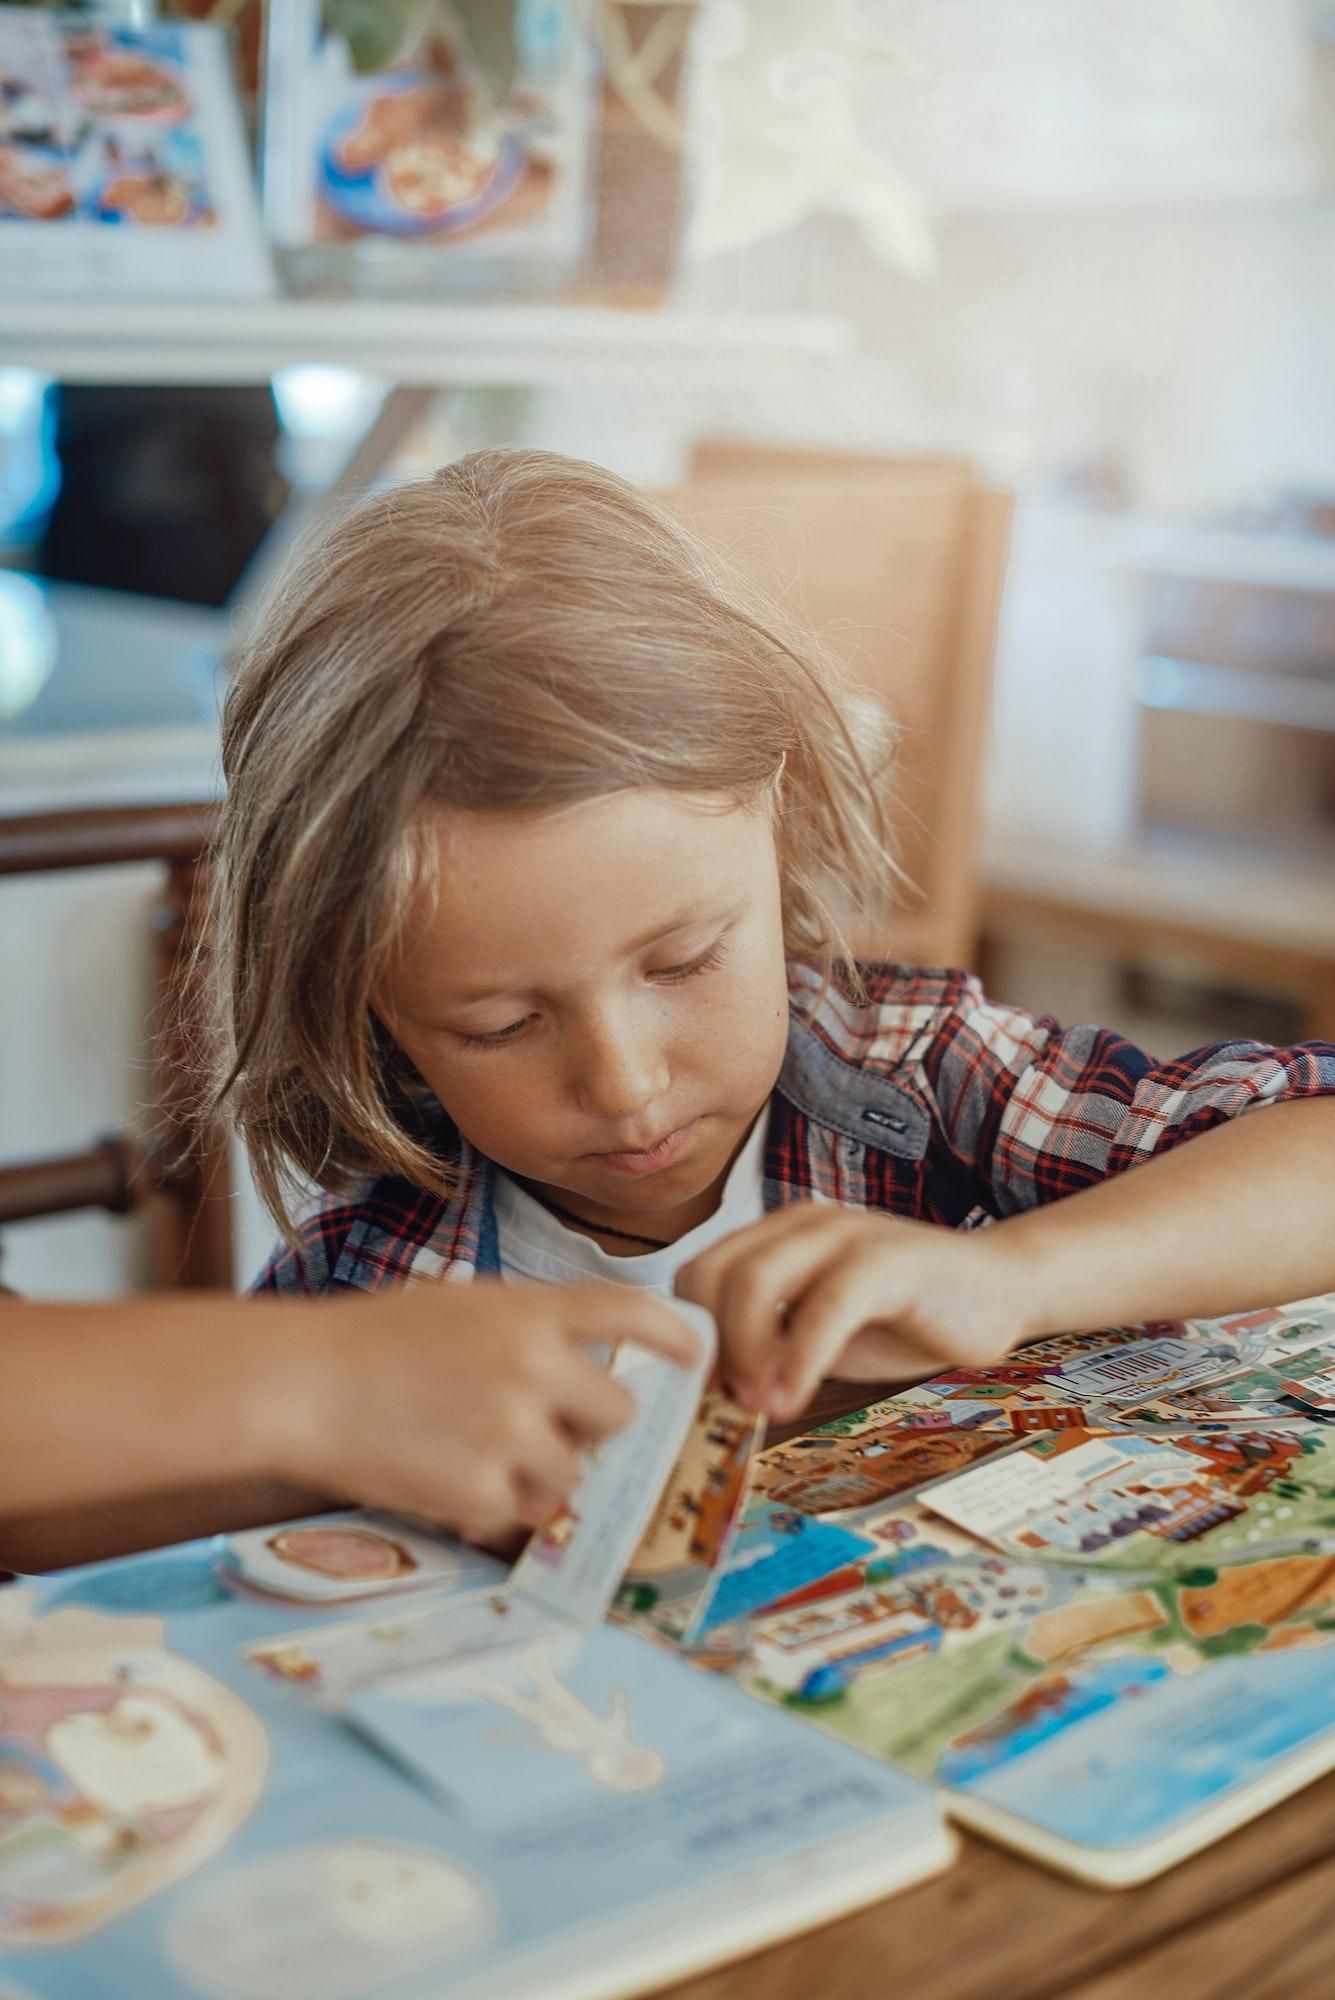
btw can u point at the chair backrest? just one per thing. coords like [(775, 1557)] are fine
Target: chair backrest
[(184, 1173), (898, 565)]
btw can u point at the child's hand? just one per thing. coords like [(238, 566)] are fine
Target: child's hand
[(815, 1290), (468, 1404)]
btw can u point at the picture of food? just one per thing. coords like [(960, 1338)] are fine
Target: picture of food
[(159, 200), (344, 1554), (123, 161), (117, 82), (392, 118), (409, 156), (34, 185), (431, 176)]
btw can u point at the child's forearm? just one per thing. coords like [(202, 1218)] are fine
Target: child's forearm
[(1240, 1216), (126, 1425), (60, 1537)]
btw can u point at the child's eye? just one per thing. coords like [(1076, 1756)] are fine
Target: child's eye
[(498, 1039), (672, 975)]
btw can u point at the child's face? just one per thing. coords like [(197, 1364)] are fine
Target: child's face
[(598, 996)]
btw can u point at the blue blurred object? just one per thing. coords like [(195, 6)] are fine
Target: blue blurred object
[(29, 467), (74, 660)]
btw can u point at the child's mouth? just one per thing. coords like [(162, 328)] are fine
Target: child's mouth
[(655, 1158)]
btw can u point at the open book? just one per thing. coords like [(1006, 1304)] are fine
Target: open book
[(1089, 1593), (345, 1758), (1084, 1601)]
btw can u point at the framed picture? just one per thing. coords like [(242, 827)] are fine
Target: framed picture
[(123, 162), (413, 171)]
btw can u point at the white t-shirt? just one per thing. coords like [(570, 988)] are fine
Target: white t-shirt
[(535, 1244)]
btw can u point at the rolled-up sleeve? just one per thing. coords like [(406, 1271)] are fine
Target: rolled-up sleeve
[(1038, 1111)]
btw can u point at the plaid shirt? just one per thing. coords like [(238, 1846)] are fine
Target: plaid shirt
[(930, 1101)]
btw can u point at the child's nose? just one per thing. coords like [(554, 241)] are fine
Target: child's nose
[(620, 1073)]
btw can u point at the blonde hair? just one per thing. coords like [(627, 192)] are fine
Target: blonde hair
[(520, 632)]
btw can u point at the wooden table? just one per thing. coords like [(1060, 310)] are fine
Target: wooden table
[(1252, 1918)]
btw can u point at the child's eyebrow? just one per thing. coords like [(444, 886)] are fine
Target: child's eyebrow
[(684, 922), (472, 996)]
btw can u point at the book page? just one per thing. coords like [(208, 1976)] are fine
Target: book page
[(575, 1564)]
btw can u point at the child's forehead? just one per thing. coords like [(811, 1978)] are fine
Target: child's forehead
[(511, 901), (628, 842)]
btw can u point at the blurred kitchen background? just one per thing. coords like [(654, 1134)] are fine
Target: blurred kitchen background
[(1000, 333)]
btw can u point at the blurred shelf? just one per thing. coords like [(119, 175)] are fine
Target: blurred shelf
[(1152, 545), (1255, 894), (428, 344), (1231, 555), (1246, 694), (109, 767)]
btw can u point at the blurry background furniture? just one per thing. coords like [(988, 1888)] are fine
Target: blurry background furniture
[(1208, 894), (898, 564), (182, 1175)]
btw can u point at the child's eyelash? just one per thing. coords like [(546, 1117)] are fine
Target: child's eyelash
[(496, 1041), (706, 962), (672, 975)]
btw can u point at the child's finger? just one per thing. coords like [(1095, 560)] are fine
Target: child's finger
[(537, 1505), (590, 1403), (752, 1314), (492, 1506), (547, 1466), (598, 1315), (821, 1325), (702, 1280), (880, 1354), (757, 1298)]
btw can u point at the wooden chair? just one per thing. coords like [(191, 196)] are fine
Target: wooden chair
[(898, 564), (183, 1175)]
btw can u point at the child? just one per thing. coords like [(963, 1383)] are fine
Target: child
[(544, 837)]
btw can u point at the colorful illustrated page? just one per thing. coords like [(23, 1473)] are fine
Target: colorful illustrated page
[(683, 1552), (1133, 1502), (1292, 1356), (576, 1563), (123, 1767), (535, 1802), (1167, 1373), (1102, 1711), (858, 1463)]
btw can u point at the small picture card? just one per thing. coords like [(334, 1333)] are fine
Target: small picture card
[(334, 1558), (123, 163)]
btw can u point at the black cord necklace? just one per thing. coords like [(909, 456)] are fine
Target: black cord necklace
[(598, 1228)]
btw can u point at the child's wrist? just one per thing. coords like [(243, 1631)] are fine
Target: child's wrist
[(287, 1416), (1020, 1276)]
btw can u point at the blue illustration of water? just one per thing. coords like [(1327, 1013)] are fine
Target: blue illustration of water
[(770, 1562), (1127, 1770), (1087, 1694), (180, 1579)]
